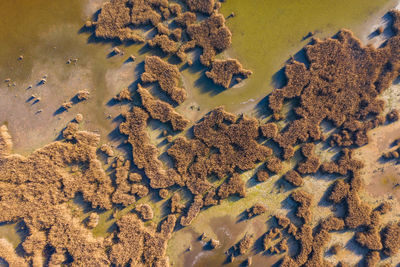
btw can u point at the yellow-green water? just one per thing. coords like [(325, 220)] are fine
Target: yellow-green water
[(265, 34)]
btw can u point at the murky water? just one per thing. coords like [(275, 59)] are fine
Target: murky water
[(48, 33)]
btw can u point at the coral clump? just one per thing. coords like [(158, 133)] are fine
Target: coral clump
[(222, 71), (161, 110), (212, 35), (166, 75)]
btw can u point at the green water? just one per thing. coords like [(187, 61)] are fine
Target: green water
[(266, 33)]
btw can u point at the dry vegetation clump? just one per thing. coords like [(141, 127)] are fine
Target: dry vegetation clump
[(312, 162), (294, 178), (257, 209), (185, 19), (203, 6), (262, 175), (212, 35), (245, 243), (122, 195), (304, 209), (274, 164), (139, 245), (193, 211), (235, 186), (163, 193), (222, 71), (165, 43), (166, 75), (145, 154), (341, 85), (344, 165), (269, 130), (83, 95), (67, 105), (117, 16), (393, 115), (210, 198), (125, 94), (176, 205), (372, 259), (233, 138), (145, 211), (332, 224), (391, 239), (107, 149), (161, 110)]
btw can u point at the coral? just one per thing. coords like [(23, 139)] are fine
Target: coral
[(222, 71), (166, 75)]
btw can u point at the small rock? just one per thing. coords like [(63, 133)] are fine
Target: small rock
[(132, 57), (7, 80), (69, 61), (21, 57)]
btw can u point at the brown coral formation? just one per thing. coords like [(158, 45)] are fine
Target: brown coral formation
[(222, 71), (166, 75)]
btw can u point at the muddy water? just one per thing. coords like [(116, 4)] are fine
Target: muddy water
[(48, 33)]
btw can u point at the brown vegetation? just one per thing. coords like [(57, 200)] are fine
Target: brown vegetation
[(212, 35), (145, 155), (222, 71), (161, 110), (166, 75), (257, 209)]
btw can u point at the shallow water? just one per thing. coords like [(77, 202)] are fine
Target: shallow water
[(47, 33)]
